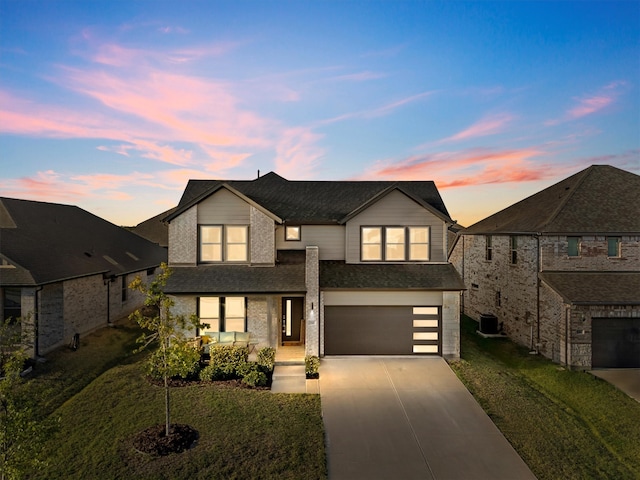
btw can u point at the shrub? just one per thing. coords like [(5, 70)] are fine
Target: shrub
[(228, 360), (255, 378), (267, 358), (211, 373), (311, 366), (184, 361)]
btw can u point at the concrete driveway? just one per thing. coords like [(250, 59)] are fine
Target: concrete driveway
[(408, 418), (625, 379)]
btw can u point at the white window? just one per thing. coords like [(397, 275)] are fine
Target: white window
[(223, 314), (372, 243), (395, 244), (419, 244), (224, 244), (292, 233)]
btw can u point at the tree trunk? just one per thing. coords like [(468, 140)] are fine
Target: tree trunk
[(166, 405)]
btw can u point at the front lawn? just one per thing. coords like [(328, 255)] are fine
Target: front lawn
[(102, 398), (564, 424)]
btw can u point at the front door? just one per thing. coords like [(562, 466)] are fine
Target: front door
[(292, 318)]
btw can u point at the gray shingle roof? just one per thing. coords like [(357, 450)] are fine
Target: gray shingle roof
[(50, 242), (599, 199), (225, 279), (595, 288), (340, 275), (155, 229), (311, 201)]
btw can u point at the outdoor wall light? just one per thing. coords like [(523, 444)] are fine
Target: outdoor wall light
[(312, 306)]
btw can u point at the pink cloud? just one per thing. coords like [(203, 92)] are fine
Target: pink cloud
[(469, 167), (489, 125), (297, 153), (594, 103)]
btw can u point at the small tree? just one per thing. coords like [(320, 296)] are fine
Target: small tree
[(22, 435), (166, 330)]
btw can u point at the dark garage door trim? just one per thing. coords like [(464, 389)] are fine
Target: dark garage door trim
[(615, 343)]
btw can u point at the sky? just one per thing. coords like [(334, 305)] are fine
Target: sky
[(114, 105)]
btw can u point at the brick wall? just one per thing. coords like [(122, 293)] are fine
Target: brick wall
[(183, 238), (263, 238), (312, 276), (497, 286), (593, 254), (451, 324)]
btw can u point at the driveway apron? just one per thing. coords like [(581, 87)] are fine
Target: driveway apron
[(408, 418)]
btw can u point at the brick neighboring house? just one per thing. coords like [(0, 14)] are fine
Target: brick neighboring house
[(339, 267), (68, 270), (561, 269)]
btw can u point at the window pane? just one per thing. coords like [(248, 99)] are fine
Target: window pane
[(237, 253), (573, 246), (371, 252), (395, 235), (232, 324), (371, 235), (209, 309), (234, 318), (419, 252), (211, 253), (211, 234), (394, 252), (419, 235), (613, 246), (237, 234), (292, 233)]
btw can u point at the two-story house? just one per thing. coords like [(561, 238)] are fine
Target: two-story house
[(66, 272), (341, 267), (561, 269)]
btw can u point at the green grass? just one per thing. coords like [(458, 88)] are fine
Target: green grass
[(102, 398), (564, 424)]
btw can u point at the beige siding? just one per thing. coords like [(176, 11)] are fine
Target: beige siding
[(328, 238), (223, 208), (396, 209), (357, 297)]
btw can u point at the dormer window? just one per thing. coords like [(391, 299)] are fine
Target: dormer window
[(292, 233), (228, 243)]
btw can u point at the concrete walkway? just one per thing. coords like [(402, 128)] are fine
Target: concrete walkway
[(408, 418), (625, 379)]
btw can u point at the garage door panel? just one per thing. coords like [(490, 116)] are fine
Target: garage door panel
[(615, 343), (368, 331)]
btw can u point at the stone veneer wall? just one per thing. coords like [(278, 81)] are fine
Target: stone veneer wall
[(312, 278), (183, 238), (263, 239), (552, 326), (451, 324), (593, 254), (507, 290)]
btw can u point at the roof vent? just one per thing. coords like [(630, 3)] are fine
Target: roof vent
[(110, 260), (88, 254), (132, 256)]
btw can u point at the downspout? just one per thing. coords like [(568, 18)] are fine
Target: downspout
[(538, 282), (36, 322), (566, 336)]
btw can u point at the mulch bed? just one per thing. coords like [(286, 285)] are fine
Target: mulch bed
[(154, 441)]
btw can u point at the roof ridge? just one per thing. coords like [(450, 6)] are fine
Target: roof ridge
[(563, 202)]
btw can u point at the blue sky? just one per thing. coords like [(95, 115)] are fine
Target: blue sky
[(113, 106)]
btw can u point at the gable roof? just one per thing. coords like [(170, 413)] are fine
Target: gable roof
[(154, 229), (49, 242), (599, 199), (313, 202)]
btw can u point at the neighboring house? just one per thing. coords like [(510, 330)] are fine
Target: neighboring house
[(339, 267), (155, 229), (561, 269), (68, 271)]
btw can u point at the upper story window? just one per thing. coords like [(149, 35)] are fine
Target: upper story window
[(573, 246), (488, 247), (514, 249), (124, 288), (394, 244), (229, 243), (613, 246), (292, 233)]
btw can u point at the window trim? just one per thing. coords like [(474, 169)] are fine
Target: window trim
[(224, 244), (296, 238), (513, 248), (222, 323), (383, 245), (488, 255)]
